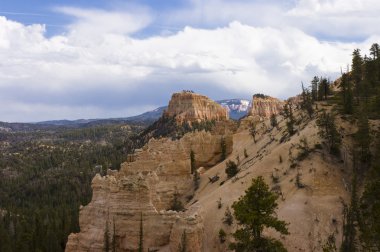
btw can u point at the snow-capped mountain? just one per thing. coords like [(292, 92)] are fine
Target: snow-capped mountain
[(237, 108)]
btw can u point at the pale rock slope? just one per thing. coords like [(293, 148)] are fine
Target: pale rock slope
[(142, 191), (313, 212), (266, 106), (188, 106), (139, 196)]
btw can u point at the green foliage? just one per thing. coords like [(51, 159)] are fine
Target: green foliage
[(329, 245), (228, 217), (304, 149), (231, 169), (363, 137), (255, 211), (288, 113), (273, 121), (347, 95), (328, 131), (370, 206), (46, 176), (307, 101), (222, 235)]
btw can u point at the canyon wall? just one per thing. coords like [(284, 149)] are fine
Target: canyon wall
[(265, 107), (189, 107), (141, 194)]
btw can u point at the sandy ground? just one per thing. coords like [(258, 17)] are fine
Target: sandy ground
[(313, 212)]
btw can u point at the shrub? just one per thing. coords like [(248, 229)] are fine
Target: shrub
[(222, 235), (231, 169), (228, 218)]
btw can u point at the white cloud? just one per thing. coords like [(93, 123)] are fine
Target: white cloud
[(113, 71), (352, 20)]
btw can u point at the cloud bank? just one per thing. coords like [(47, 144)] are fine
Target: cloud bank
[(98, 68)]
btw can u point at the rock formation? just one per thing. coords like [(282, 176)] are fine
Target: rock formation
[(142, 192), (189, 107), (265, 106)]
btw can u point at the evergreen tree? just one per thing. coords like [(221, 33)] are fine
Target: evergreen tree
[(314, 88), (307, 101), (323, 89), (363, 137), (328, 131), (273, 121), (231, 169), (370, 206), (357, 74), (288, 113), (375, 51), (346, 90), (255, 211)]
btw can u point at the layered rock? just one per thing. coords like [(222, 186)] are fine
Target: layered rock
[(190, 107), (141, 194), (265, 106)]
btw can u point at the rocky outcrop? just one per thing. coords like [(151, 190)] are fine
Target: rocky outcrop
[(265, 106), (141, 194), (190, 107)]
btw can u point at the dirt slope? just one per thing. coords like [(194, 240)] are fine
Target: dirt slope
[(313, 212)]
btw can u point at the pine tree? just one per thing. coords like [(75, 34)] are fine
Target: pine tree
[(346, 90), (288, 113), (328, 131), (363, 137), (255, 211), (307, 101), (314, 88), (357, 73), (273, 120), (370, 206)]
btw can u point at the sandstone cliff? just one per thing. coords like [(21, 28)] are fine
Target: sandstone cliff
[(266, 106), (190, 107), (142, 192)]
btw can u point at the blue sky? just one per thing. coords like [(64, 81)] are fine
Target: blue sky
[(104, 58)]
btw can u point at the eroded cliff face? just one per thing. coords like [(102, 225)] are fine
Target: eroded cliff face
[(141, 194), (190, 107), (265, 107)]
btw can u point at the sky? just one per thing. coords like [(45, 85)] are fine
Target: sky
[(71, 59)]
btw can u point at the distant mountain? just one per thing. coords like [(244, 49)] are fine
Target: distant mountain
[(237, 108)]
